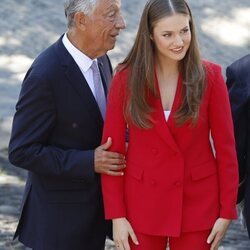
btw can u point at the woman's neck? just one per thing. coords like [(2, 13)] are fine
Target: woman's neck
[(167, 67)]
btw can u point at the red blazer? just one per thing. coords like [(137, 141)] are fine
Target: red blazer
[(173, 183)]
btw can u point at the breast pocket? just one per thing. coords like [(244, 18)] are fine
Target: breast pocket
[(70, 191)]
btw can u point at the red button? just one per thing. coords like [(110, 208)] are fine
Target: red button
[(155, 151), (153, 182)]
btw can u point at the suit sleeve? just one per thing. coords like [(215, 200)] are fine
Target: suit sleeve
[(33, 124), (223, 138), (239, 104), (114, 127)]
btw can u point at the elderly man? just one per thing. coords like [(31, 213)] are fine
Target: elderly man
[(57, 131)]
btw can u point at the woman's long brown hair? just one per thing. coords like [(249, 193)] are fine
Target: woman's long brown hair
[(140, 63)]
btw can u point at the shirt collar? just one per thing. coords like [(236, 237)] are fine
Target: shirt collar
[(83, 61)]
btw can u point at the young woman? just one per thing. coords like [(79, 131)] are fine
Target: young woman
[(177, 188)]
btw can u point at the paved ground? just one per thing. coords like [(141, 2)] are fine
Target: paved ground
[(29, 26)]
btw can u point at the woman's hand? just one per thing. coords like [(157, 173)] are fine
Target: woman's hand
[(121, 231), (219, 229)]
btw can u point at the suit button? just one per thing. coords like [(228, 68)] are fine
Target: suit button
[(74, 125)]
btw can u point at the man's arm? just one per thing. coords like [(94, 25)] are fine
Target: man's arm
[(33, 125), (238, 100)]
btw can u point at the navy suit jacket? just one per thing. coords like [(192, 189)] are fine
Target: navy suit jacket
[(238, 81), (56, 128)]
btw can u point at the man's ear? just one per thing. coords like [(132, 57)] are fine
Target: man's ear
[(80, 20)]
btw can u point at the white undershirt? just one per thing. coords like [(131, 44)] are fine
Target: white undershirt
[(167, 114), (83, 62)]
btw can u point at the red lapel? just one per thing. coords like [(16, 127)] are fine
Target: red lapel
[(162, 126)]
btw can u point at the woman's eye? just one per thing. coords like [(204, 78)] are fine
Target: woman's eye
[(185, 30)]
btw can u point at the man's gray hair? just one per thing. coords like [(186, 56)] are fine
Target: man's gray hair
[(73, 6)]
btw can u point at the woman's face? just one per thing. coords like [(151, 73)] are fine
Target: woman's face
[(172, 37)]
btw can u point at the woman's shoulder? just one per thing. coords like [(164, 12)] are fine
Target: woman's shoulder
[(121, 74), (213, 72), (121, 70), (214, 77), (211, 67), (120, 80)]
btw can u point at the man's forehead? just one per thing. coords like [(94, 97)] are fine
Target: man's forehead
[(109, 3)]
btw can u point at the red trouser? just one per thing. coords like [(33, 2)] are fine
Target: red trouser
[(187, 241)]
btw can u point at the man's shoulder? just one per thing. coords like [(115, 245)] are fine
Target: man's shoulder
[(49, 55), (48, 62), (238, 74), (241, 65)]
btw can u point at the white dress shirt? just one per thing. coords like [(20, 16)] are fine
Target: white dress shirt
[(83, 62)]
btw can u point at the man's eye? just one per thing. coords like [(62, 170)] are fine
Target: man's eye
[(111, 14)]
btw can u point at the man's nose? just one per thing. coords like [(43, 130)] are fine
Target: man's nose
[(120, 23)]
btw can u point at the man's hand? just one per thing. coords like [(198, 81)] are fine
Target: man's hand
[(110, 163), (219, 229)]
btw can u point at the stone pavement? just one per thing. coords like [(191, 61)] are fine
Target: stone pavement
[(29, 26)]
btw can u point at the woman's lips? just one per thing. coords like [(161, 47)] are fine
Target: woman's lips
[(177, 50)]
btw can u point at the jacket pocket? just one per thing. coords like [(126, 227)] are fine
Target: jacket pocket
[(203, 170), (66, 197), (90, 194), (55, 184)]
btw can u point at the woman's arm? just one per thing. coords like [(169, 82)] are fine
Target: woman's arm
[(222, 131), (114, 127), (223, 137)]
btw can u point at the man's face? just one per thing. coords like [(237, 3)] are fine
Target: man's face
[(104, 25)]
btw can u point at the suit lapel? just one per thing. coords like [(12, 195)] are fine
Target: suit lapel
[(176, 103), (76, 79), (163, 127), (103, 76)]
